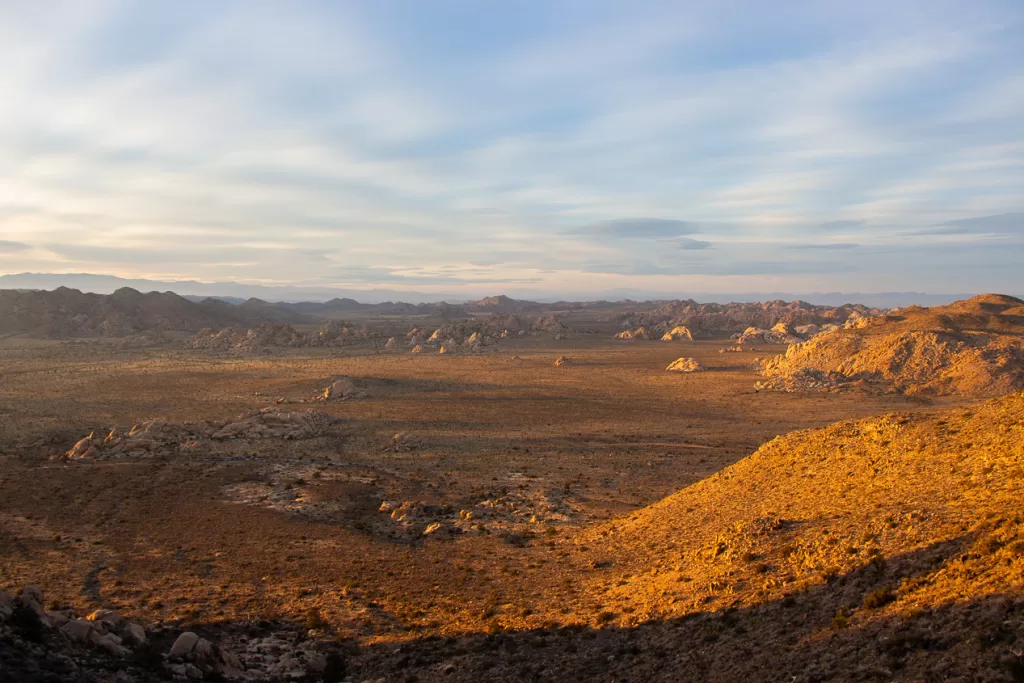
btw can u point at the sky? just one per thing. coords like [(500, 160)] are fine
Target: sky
[(528, 148)]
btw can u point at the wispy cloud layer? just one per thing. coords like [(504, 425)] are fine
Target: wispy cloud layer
[(552, 147)]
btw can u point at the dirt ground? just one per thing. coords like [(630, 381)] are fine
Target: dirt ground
[(514, 458)]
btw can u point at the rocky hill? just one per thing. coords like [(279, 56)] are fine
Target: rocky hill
[(718, 320), (883, 549), (67, 313), (972, 347)]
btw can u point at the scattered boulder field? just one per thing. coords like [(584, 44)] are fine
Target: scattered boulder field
[(888, 547)]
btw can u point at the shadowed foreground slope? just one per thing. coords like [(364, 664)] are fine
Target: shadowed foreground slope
[(871, 550)]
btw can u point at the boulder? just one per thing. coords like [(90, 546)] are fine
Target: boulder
[(184, 645), (60, 617), (135, 633), (434, 528), (111, 643), (79, 630)]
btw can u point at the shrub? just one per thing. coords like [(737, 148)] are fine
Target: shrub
[(315, 620), (840, 621), (878, 597)]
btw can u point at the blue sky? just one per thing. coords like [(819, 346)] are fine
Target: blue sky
[(519, 147)]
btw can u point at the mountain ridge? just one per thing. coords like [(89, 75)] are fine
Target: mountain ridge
[(105, 284)]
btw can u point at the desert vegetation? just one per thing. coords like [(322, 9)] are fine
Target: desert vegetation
[(551, 503)]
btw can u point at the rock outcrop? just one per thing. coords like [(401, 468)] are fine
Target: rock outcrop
[(721, 320), (37, 646), (343, 389), (333, 334), (973, 347), (631, 335), (678, 333), (162, 437)]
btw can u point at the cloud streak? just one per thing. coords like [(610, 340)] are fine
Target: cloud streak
[(629, 228)]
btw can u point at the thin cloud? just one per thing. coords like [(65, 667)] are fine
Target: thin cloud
[(839, 225), (824, 246), (1004, 224), (688, 244), (638, 227)]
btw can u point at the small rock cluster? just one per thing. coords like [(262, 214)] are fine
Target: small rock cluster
[(551, 324), (194, 657), (282, 657), (298, 489), (451, 338), (343, 389), (512, 510), (804, 379), (783, 333), (104, 628), (716, 320), (333, 334), (164, 437), (631, 335), (36, 644), (404, 441), (735, 349), (685, 365), (40, 645)]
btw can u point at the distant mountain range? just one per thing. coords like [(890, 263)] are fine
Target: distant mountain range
[(235, 292), (339, 300), (65, 313)]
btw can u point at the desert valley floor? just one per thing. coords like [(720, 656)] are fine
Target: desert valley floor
[(473, 517)]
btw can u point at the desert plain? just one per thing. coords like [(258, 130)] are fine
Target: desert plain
[(496, 515)]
